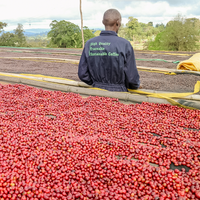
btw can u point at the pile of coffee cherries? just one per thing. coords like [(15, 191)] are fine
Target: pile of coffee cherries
[(56, 145)]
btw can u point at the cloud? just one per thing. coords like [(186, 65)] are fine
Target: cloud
[(41, 13), (170, 2), (158, 9), (194, 10), (177, 2), (37, 9)]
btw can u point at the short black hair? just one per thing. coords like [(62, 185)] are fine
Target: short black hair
[(111, 16)]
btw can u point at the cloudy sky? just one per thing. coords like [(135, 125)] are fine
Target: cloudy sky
[(40, 13)]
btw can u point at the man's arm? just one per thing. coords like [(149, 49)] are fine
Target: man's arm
[(83, 71), (131, 72)]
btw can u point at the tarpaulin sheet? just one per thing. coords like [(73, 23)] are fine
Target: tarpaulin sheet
[(192, 63)]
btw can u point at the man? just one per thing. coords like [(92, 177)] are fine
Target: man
[(108, 61)]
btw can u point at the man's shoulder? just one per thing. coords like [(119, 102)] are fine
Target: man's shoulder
[(124, 40)]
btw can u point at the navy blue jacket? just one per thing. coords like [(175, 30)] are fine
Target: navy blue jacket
[(108, 62)]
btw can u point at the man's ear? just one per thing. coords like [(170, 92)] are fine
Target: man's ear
[(118, 23)]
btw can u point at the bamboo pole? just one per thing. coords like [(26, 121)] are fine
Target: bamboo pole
[(82, 24)]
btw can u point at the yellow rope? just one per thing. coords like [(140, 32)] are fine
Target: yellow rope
[(167, 96)]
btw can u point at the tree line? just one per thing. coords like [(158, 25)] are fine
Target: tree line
[(137, 31), (63, 34), (179, 34), (12, 39)]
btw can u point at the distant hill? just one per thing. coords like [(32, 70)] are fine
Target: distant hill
[(39, 31), (35, 32), (32, 32)]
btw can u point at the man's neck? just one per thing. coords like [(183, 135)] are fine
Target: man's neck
[(111, 28)]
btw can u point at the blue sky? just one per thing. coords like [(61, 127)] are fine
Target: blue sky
[(40, 13)]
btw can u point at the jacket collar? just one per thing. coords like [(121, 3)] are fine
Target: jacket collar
[(107, 33)]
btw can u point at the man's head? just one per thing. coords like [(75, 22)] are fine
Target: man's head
[(112, 20)]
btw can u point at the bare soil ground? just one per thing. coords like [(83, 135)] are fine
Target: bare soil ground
[(149, 80)]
